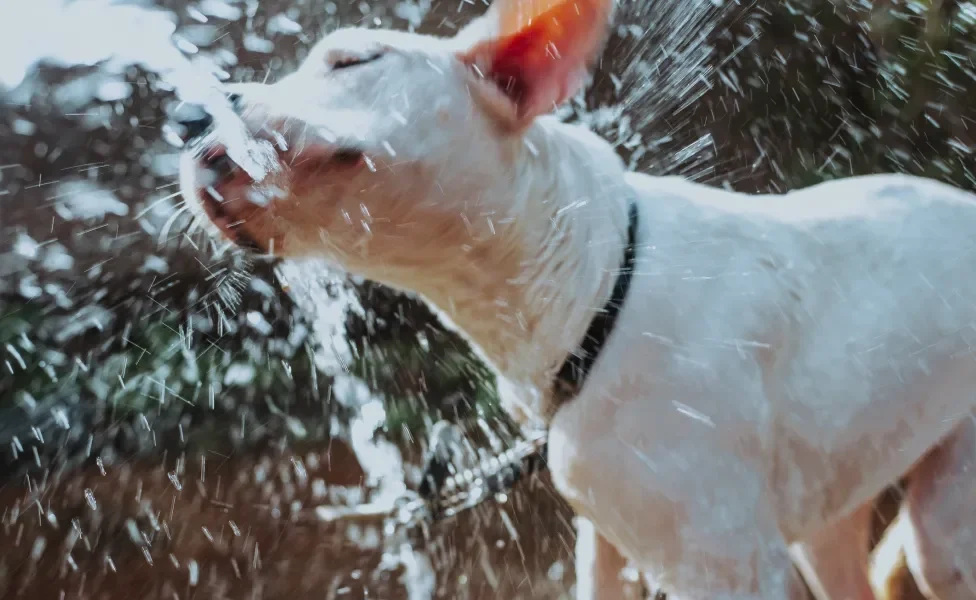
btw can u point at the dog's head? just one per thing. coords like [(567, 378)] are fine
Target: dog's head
[(398, 148)]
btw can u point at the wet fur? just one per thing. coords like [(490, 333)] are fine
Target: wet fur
[(778, 362)]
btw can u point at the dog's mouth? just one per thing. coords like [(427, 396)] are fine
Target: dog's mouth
[(225, 213), (237, 204)]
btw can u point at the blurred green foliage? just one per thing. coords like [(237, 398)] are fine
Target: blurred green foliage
[(794, 92), (818, 89)]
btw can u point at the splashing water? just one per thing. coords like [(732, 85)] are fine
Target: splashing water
[(672, 68), (91, 31), (101, 31)]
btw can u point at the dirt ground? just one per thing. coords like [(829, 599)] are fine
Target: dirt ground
[(213, 526), (245, 527)]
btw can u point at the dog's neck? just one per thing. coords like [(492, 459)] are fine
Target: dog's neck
[(527, 290)]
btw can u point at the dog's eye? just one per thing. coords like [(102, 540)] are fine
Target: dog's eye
[(352, 61)]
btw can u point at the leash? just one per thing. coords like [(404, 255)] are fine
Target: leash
[(444, 497), (447, 491), (448, 494)]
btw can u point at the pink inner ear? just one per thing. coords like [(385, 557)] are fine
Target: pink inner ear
[(544, 62)]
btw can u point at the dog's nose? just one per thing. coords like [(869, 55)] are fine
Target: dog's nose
[(236, 102), (197, 126)]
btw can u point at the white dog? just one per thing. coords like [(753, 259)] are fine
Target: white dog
[(764, 365)]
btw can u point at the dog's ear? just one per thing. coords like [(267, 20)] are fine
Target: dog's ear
[(536, 52)]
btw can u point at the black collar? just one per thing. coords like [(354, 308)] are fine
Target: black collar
[(572, 375)]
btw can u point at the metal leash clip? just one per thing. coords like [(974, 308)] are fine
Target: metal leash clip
[(445, 490), (448, 491)]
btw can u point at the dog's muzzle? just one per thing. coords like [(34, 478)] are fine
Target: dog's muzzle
[(196, 128), (197, 134)]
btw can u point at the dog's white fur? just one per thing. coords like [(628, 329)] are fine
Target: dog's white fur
[(778, 361)]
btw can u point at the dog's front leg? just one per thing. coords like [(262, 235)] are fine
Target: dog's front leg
[(703, 528), (941, 507), (835, 560), (598, 565), (705, 558)]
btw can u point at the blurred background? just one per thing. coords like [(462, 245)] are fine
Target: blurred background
[(172, 413)]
